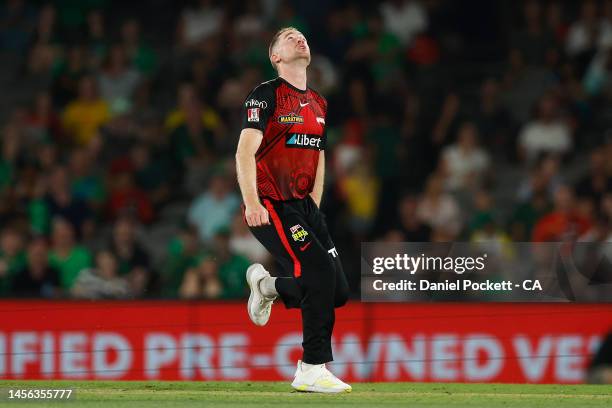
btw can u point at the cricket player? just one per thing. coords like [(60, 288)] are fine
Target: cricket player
[(280, 163)]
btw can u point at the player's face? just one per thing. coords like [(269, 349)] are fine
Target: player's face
[(293, 46)]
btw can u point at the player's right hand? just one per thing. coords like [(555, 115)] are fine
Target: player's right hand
[(256, 215)]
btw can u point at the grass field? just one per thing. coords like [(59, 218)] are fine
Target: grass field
[(273, 394)]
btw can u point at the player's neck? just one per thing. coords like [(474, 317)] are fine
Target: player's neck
[(295, 75)]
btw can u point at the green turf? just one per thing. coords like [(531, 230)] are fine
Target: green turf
[(273, 394)]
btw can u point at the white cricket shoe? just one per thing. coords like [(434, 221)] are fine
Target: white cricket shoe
[(259, 306), (318, 378)]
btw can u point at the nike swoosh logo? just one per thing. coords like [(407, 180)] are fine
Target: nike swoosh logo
[(305, 247), (301, 106)]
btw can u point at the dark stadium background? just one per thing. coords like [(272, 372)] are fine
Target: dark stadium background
[(448, 121)]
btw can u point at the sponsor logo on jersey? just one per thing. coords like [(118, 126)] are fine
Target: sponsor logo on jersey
[(304, 141), (298, 233), (291, 118), (254, 103), (253, 115), (321, 120)]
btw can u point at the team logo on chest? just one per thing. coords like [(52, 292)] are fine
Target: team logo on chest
[(298, 233), (291, 119)]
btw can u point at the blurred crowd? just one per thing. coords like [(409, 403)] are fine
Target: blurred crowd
[(484, 121)]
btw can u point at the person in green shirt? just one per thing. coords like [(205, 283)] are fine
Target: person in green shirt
[(12, 259), (86, 185), (526, 215), (142, 56), (375, 44), (183, 254), (66, 256), (231, 267)]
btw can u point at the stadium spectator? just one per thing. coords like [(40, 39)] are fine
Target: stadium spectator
[(214, 208), (385, 141), (410, 226), (12, 258), (544, 177), (151, 174), (193, 130), (378, 48), (547, 133), (564, 222), (465, 163), (589, 33), (598, 181), (86, 184), (118, 81), (483, 212), (102, 281), (231, 267), (84, 116), (46, 46), (125, 197), (37, 278), (133, 262), (202, 280), (526, 214), (198, 24), (66, 255), (534, 41), (183, 252), (140, 54), (60, 202), (439, 210), (68, 74), (361, 191), (43, 122), (242, 242), (404, 18), (492, 238), (485, 229)]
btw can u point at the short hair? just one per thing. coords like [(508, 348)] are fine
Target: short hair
[(275, 40)]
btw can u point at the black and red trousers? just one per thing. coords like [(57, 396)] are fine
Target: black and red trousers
[(310, 276)]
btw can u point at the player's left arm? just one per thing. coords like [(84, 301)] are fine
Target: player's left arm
[(317, 190)]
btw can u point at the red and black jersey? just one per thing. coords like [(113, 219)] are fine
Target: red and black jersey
[(293, 126)]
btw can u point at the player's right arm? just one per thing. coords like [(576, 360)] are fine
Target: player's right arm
[(256, 111), (246, 169)]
